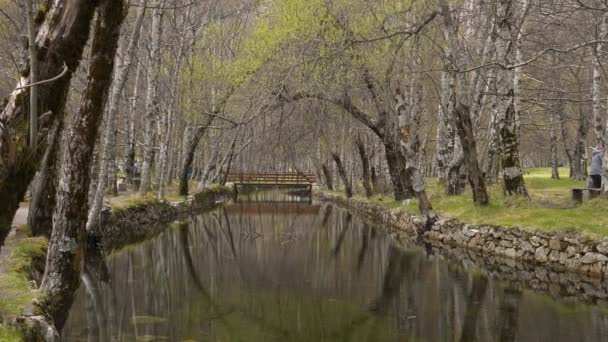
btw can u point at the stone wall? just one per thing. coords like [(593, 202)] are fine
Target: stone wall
[(557, 253), (147, 219)]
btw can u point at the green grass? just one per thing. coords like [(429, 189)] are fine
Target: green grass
[(9, 334), (548, 209), (16, 288)]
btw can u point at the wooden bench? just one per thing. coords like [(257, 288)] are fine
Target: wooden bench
[(584, 194)]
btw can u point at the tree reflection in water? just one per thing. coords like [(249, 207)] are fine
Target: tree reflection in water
[(285, 273)]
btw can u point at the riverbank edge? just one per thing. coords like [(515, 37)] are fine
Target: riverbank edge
[(559, 252), (120, 227)]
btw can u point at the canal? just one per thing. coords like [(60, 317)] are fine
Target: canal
[(276, 267)]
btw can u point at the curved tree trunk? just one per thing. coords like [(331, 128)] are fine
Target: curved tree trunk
[(193, 138), (469, 146), (66, 251), (327, 174), (60, 43), (107, 167)]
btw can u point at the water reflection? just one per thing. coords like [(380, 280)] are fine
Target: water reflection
[(277, 274)]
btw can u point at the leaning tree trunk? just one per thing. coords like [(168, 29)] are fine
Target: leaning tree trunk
[(367, 186), (44, 188), (512, 175), (59, 45), (66, 251), (342, 172), (328, 177), (152, 101), (123, 62), (469, 147), (190, 144), (208, 168)]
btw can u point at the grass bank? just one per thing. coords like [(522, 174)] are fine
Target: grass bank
[(18, 272), (549, 207)]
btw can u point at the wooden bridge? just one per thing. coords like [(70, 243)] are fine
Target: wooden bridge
[(287, 179)]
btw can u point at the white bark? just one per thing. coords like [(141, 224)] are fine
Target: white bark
[(152, 105), (124, 59), (31, 34), (597, 84)]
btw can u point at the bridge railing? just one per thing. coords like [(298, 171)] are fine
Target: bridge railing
[(271, 178)]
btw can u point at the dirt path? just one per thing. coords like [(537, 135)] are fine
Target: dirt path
[(19, 219)]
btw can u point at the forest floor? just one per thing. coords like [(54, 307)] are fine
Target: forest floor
[(549, 207)]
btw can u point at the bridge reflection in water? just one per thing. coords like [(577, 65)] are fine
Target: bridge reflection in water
[(236, 274)]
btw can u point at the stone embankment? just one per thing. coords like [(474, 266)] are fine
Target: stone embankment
[(544, 260), (119, 227)]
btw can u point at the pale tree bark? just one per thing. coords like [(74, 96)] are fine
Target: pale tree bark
[(169, 118), (555, 117), (33, 59), (445, 132), (152, 101), (525, 7), (598, 125), (580, 149), (66, 253), (507, 117), (553, 145), (415, 178), (464, 164), (209, 166), (492, 169), (59, 44), (124, 59), (131, 136)]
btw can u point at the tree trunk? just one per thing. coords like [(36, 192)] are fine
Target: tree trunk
[(60, 42), (444, 131), (492, 168), (152, 102), (33, 59), (44, 187), (596, 93), (190, 144), (131, 137), (342, 172), (208, 168), (365, 167), (469, 147), (66, 251), (328, 177), (512, 174), (107, 167), (553, 144)]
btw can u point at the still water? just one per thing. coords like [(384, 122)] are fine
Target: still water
[(277, 268)]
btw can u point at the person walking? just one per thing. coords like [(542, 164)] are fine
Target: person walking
[(597, 156)]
